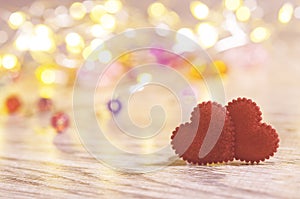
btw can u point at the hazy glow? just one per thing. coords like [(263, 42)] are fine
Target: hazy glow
[(297, 12), (130, 33), (144, 78), (3, 36), (46, 92), (251, 4), (199, 10), (231, 42)]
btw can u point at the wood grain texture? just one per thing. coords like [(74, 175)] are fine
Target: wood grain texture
[(37, 163)]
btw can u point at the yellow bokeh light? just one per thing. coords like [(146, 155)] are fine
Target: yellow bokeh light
[(22, 43), (156, 9), (184, 32), (48, 76), (77, 10), (16, 19), (199, 10), (74, 39), (74, 49), (113, 6), (285, 13), (108, 21), (9, 61), (208, 35), (259, 34), (97, 30), (41, 40), (35, 43), (41, 43), (172, 18), (232, 4), (97, 12), (42, 30), (243, 13), (46, 91)]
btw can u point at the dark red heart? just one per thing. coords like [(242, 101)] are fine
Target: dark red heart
[(209, 138), (254, 141)]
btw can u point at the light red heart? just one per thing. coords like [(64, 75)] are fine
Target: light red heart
[(208, 138), (254, 141)]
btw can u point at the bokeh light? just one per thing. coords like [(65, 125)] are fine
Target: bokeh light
[(108, 21), (208, 34), (16, 19), (66, 35), (48, 76), (9, 61), (232, 4), (97, 13), (285, 13), (199, 10), (156, 9), (113, 6), (243, 13), (297, 12), (77, 10), (259, 34)]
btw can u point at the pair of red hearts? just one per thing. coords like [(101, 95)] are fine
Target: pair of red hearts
[(219, 134)]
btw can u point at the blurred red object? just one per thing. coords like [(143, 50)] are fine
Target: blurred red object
[(13, 104), (60, 121)]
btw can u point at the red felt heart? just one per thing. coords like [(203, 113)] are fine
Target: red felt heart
[(254, 141), (209, 138)]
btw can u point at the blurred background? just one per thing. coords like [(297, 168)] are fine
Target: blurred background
[(252, 43)]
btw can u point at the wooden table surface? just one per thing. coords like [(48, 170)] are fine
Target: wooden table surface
[(37, 163)]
